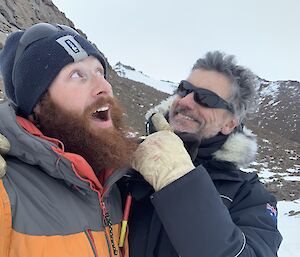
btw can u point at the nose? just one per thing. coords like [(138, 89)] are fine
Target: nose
[(187, 101), (101, 86)]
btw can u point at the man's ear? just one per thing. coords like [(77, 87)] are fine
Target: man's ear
[(229, 126)]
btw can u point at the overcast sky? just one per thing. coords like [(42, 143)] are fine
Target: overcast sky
[(163, 38)]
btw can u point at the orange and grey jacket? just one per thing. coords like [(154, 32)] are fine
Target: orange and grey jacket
[(51, 202)]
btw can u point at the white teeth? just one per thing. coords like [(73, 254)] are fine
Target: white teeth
[(187, 117), (102, 109)]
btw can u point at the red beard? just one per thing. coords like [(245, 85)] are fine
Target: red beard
[(101, 147)]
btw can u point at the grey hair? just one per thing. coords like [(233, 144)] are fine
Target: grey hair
[(244, 96)]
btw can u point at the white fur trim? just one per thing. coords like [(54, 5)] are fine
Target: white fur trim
[(163, 107), (240, 148)]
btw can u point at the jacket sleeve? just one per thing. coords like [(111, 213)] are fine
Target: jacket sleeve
[(199, 224)]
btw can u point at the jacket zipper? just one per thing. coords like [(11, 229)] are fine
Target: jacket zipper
[(108, 223), (90, 237), (107, 220)]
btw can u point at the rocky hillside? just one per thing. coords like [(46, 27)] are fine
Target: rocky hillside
[(19, 14), (135, 97), (279, 108), (275, 124)]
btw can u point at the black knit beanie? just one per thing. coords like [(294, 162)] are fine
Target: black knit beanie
[(39, 64)]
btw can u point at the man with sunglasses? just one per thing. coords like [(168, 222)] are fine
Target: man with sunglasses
[(202, 203), (59, 195)]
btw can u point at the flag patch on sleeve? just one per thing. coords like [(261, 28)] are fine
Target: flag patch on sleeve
[(272, 211)]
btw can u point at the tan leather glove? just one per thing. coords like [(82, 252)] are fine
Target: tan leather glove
[(161, 158), (4, 148)]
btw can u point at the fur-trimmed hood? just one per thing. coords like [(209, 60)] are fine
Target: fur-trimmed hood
[(240, 147)]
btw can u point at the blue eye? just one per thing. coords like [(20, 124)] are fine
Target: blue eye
[(75, 74)]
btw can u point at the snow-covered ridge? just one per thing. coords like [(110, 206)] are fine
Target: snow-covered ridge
[(126, 71)]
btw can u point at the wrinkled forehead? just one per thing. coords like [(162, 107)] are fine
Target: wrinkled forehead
[(211, 80)]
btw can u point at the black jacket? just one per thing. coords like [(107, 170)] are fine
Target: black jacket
[(209, 214), (215, 210)]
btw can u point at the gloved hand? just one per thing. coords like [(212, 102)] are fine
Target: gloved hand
[(4, 148), (161, 158)]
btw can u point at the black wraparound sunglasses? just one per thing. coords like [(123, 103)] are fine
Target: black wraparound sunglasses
[(203, 97)]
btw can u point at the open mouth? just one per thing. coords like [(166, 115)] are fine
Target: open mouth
[(101, 114), (187, 117)]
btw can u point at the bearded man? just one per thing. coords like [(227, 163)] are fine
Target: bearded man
[(59, 195)]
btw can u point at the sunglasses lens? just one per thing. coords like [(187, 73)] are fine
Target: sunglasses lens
[(202, 96), (206, 99), (181, 91)]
